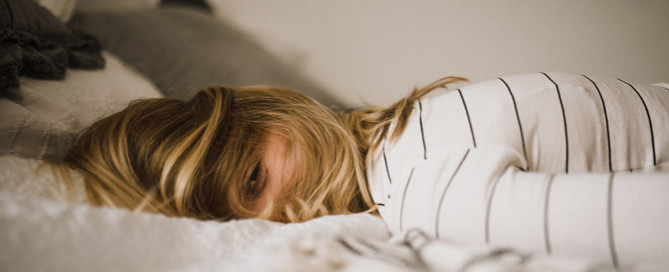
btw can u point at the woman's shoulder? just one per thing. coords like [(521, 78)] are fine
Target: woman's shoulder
[(546, 116)]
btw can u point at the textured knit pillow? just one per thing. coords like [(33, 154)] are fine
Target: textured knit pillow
[(34, 43), (561, 164)]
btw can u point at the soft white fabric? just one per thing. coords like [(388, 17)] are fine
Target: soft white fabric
[(553, 163), (43, 232), (40, 118)]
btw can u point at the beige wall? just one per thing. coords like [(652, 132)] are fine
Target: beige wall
[(376, 50)]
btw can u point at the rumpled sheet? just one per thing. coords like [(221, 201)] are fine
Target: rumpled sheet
[(43, 232)]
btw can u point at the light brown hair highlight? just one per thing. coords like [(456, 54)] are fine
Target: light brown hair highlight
[(194, 158)]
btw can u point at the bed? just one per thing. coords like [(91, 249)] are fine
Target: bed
[(147, 49)]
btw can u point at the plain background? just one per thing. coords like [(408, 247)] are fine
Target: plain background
[(375, 51)]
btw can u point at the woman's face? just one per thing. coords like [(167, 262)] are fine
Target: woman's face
[(274, 175)]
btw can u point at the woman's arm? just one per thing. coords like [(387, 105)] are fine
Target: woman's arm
[(473, 196), (539, 162)]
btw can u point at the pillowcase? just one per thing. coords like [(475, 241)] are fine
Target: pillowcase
[(41, 118), (184, 49)]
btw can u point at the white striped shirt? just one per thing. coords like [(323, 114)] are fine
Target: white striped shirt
[(564, 164)]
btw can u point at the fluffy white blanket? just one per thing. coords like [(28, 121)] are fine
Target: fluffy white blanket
[(40, 231)]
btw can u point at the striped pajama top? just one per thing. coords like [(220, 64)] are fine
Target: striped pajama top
[(551, 163)]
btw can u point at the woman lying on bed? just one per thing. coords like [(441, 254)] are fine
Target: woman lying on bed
[(544, 162)]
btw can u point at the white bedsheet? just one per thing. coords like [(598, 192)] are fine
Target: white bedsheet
[(39, 231)]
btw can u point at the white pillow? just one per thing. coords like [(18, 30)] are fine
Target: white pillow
[(41, 117), (42, 232)]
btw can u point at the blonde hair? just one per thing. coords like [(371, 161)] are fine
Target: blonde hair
[(370, 126), (193, 158)]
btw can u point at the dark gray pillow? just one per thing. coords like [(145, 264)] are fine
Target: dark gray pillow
[(36, 44), (185, 49)]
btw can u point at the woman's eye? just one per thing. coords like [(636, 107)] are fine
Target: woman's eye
[(254, 174), (253, 185)]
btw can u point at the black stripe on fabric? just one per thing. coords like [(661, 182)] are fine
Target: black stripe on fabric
[(609, 219), (488, 209), (469, 120), (606, 119), (404, 194), (381, 204), (422, 132), (564, 122), (650, 123), (547, 197), (443, 194), (385, 161), (520, 126)]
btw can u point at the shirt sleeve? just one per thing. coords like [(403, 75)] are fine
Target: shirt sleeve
[(480, 196), (557, 164)]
